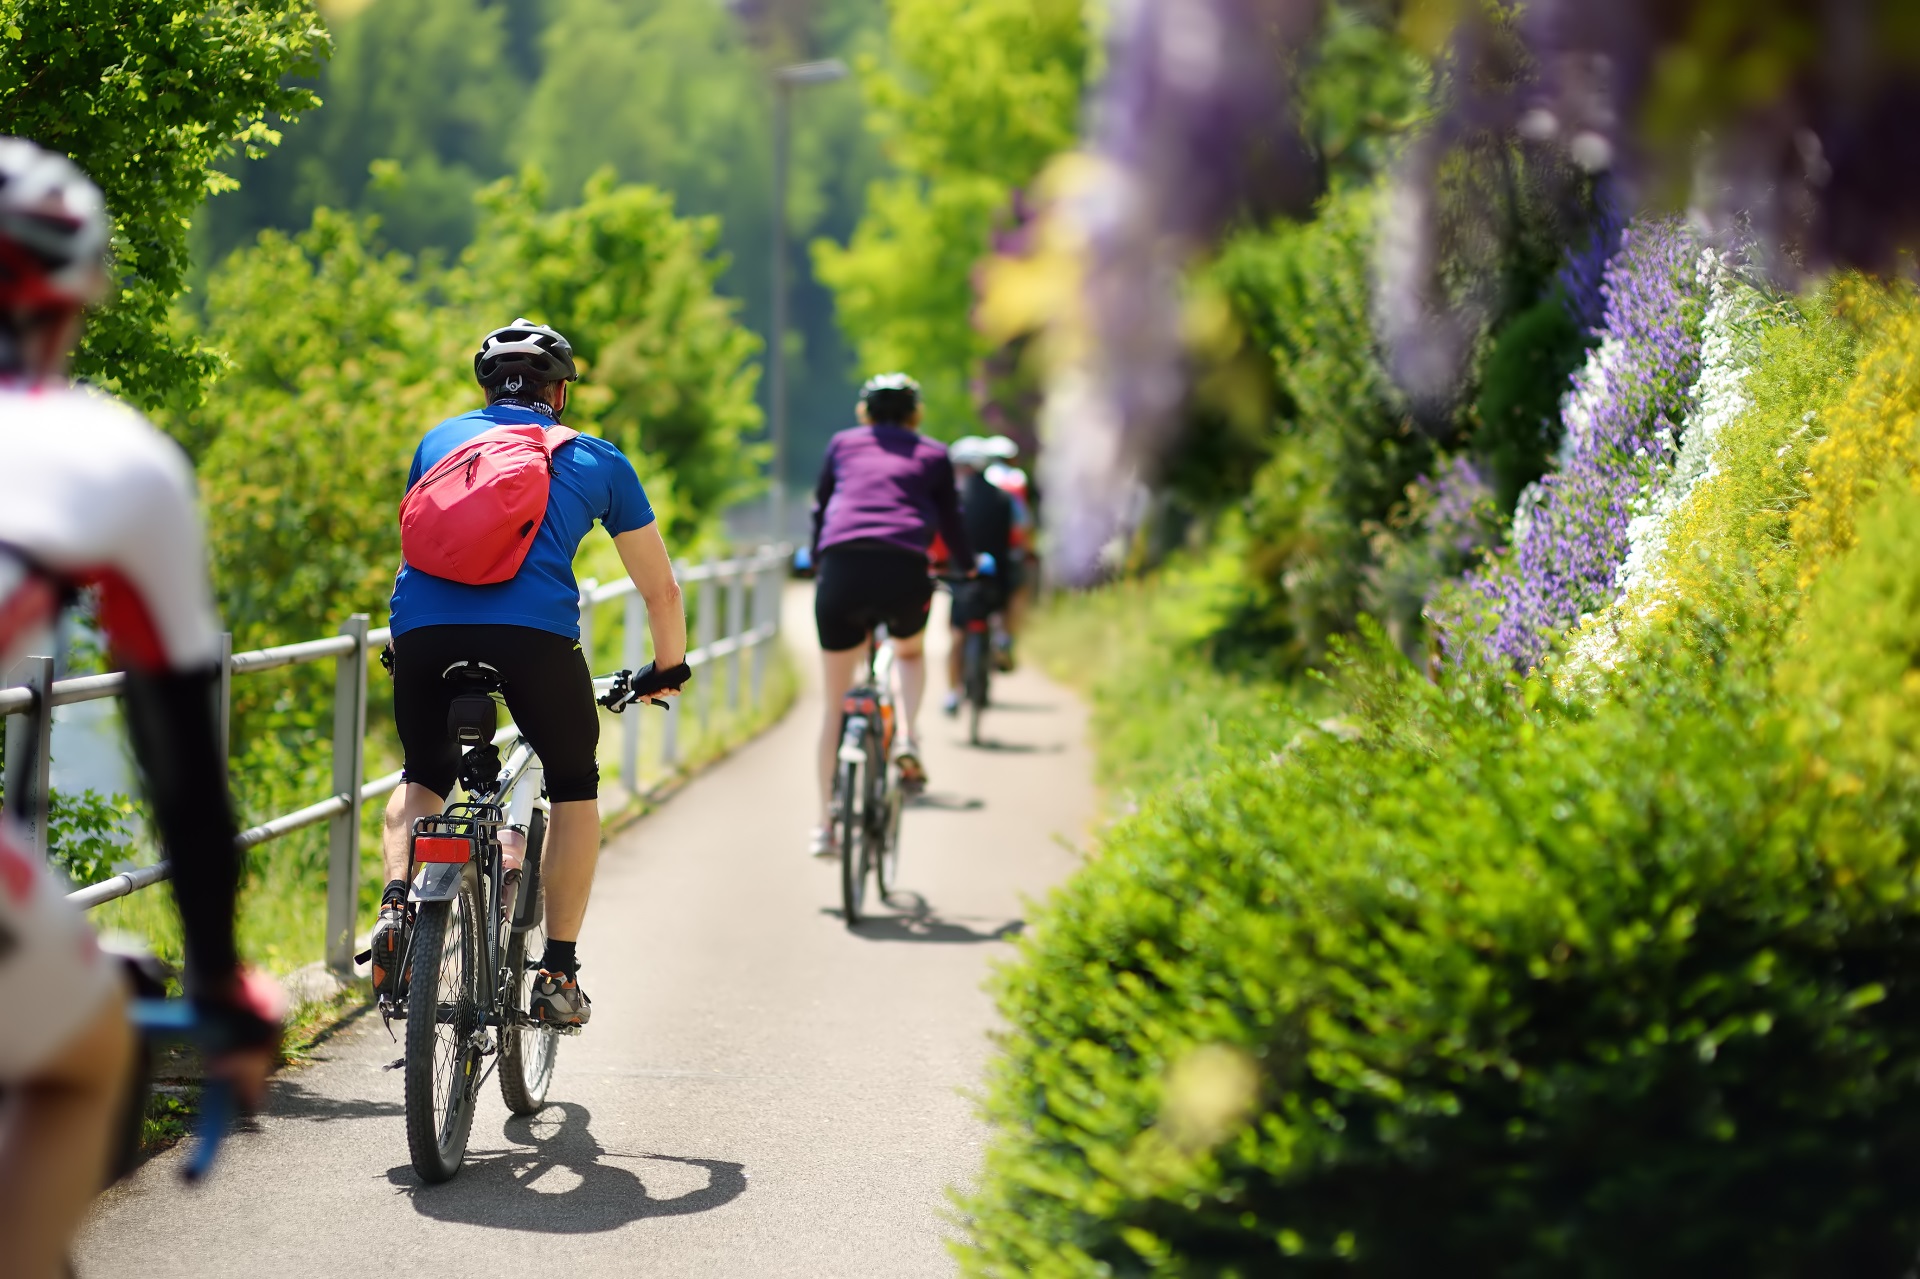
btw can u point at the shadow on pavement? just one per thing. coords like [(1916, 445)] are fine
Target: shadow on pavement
[(1020, 748), (1040, 708), (293, 1100), (918, 921), (518, 1189), (946, 802)]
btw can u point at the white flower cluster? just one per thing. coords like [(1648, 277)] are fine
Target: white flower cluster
[(1590, 389), (1728, 337), (1728, 343)]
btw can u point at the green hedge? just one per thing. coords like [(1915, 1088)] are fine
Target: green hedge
[(1476, 987)]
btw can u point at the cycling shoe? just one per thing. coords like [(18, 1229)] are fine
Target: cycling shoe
[(558, 1000), (387, 951)]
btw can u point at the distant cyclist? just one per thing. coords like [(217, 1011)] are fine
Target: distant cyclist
[(92, 497), (989, 516), (1022, 567), (884, 491), (527, 627)]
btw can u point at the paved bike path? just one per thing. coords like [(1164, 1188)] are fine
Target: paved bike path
[(761, 1091)]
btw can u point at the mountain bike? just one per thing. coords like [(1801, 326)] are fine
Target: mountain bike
[(868, 793), (973, 607), (474, 946)]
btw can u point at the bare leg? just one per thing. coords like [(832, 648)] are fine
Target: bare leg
[(566, 865), (57, 1133), (956, 639), (404, 807), (836, 677), (910, 674)]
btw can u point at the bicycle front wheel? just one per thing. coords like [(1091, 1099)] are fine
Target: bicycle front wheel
[(443, 1031), (527, 1049), (849, 833)]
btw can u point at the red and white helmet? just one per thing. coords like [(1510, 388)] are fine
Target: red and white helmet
[(54, 229)]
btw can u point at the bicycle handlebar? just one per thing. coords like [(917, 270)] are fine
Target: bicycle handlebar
[(624, 688), (177, 1021)]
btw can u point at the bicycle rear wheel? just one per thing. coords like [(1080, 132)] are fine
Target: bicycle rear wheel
[(443, 1027), (974, 665), (849, 834)]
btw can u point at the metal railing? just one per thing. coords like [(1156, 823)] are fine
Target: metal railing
[(751, 616)]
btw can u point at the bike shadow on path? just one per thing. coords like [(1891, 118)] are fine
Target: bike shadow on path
[(557, 1178), (917, 921)]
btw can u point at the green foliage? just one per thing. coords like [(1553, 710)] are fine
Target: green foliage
[(149, 98), (668, 373), (978, 96), (1522, 380), (1163, 711), (1363, 89), (428, 103), (1346, 448), (88, 833), (1485, 990)]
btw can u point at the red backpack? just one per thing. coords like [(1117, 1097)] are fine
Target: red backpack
[(473, 517)]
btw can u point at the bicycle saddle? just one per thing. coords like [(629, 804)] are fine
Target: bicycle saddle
[(473, 716)]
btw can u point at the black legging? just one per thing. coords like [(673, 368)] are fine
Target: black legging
[(548, 690)]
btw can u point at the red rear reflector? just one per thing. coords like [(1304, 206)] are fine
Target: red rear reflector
[(442, 848)]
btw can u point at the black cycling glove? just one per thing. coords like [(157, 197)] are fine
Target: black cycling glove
[(648, 680)]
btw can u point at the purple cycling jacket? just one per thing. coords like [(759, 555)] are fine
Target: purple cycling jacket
[(891, 486)]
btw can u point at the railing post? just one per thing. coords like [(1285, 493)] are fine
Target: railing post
[(223, 712), (349, 769), (706, 625), (30, 743), (632, 657), (756, 609), (736, 629)]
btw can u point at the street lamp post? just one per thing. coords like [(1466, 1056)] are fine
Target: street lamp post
[(785, 81)]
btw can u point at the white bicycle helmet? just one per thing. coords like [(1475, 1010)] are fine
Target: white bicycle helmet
[(54, 230)]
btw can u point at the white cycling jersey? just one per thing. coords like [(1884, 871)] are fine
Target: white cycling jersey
[(92, 494)]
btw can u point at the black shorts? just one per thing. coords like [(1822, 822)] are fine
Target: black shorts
[(548, 690), (860, 587)]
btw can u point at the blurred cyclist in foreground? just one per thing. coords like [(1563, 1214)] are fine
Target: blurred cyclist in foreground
[(91, 496), (883, 492)]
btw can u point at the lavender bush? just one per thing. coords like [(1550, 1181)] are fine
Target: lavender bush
[(1621, 423)]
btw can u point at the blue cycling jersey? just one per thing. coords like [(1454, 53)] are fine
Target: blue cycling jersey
[(592, 480)]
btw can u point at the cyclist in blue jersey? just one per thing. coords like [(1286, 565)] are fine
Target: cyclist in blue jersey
[(528, 629)]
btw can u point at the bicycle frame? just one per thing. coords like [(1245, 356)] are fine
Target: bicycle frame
[(435, 876)]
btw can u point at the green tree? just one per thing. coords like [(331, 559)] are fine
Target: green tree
[(149, 99), (977, 96), (668, 371)]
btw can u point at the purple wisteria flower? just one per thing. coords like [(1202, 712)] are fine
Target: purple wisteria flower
[(1621, 424), (1192, 123)]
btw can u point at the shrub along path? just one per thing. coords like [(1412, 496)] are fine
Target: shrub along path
[(761, 1091)]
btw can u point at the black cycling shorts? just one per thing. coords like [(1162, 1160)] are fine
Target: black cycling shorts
[(860, 587), (548, 690)]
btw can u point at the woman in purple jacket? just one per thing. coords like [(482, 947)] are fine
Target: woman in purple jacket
[(884, 490)]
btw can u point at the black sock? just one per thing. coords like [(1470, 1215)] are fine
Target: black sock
[(559, 958), (396, 893)]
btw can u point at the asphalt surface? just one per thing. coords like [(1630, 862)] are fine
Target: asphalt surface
[(761, 1092)]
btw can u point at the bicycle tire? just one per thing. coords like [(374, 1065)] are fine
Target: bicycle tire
[(440, 1068), (527, 1050), (974, 663), (853, 845), (886, 866)]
